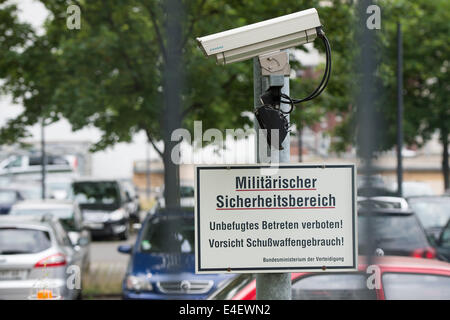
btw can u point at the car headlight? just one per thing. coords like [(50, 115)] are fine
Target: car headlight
[(117, 215), (140, 283)]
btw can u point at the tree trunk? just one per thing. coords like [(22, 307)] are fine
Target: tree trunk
[(445, 170)]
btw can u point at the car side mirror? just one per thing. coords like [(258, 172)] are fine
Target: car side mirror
[(125, 248)]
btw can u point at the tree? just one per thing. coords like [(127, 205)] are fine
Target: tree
[(29, 72), (114, 73), (425, 70), (426, 76)]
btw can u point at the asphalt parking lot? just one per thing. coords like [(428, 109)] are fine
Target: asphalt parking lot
[(105, 251), (107, 269)]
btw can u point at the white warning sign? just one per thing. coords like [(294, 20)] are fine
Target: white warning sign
[(297, 218)]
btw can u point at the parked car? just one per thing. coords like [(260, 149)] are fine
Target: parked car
[(70, 217), (400, 278), (132, 196), (162, 262), (30, 165), (7, 198), (30, 190), (395, 231), (56, 187), (105, 207), (186, 196), (35, 253), (443, 243), (433, 212), (59, 188)]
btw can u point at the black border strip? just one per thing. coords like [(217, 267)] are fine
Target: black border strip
[(199, 168)]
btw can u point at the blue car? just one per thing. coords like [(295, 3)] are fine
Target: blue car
[(162, 263)]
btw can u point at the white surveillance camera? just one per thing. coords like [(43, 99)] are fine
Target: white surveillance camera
[(263, 37)]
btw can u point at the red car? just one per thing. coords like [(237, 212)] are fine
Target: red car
[(390, 278)]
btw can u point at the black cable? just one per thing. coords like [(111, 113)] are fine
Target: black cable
[(327, 73), (290, 102), (323, 82)]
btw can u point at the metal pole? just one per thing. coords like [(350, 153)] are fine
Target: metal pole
[(43, 160), (270, 286), (399, 110)]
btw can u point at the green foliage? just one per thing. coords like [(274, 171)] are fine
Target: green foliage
[(425, 26), (425, 74), (110, 73)]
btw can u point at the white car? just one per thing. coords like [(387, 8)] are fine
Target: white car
[(31, 165)]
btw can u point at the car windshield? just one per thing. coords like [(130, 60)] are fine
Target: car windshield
[(23, 241), (104, 192), (395, 229), (432, 212), (163, 235), (50, 160), (7, 196), (407, 286)]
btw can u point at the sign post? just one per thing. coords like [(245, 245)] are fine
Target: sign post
[(270, 286), (301, 218)]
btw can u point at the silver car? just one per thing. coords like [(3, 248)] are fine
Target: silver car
[(37, 257), (71, 218)]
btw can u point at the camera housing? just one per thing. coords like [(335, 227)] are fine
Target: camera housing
[(263, 37)]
